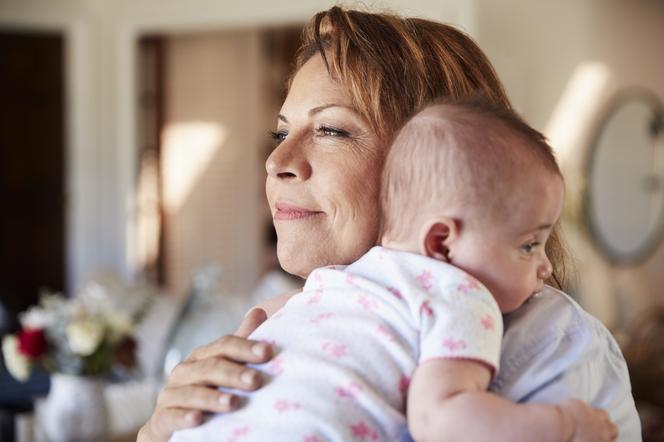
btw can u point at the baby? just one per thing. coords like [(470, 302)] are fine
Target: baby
[(408, 337)]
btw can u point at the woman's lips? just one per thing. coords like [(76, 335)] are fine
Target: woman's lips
[(291, 212)]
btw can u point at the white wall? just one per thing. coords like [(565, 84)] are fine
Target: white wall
[(211, 156), (535, 46)]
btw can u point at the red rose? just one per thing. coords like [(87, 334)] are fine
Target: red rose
[(125, 352), (31, 342)]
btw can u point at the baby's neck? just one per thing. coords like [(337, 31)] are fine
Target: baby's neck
[(401, 246)]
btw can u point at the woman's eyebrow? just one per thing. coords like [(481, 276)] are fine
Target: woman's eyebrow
[(317, 109), (313, 111)]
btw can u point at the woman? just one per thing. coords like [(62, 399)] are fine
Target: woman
[(358, 77)]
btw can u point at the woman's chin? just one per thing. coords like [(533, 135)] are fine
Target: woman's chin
[(296, 260)]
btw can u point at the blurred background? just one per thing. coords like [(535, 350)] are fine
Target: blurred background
[(133, 136)]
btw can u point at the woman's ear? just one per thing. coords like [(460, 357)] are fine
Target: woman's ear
[(437, 238)]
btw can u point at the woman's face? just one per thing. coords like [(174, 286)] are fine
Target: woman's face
[(323, 176)]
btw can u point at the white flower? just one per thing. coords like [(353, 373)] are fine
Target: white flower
[(74, 308), (120, 325), (17, 364), (37, 318), (51, 301), (85, 335)]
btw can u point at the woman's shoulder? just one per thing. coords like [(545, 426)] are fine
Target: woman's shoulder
[(553, 329), (553, 349), (553, 316)]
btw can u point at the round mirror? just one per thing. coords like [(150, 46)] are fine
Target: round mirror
[(625, 188)]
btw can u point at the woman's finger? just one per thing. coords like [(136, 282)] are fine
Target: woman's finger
[(197, 397), (221, 363), (234, 348), (254, 317), (165, 421), (216, 371)]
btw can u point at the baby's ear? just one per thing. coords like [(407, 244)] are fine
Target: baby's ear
[(437, 237)]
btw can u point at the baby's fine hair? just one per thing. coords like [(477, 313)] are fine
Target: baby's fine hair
[(467, 156)]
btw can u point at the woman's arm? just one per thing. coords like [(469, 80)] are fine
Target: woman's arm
[(272, 305), (447, 400), (191, 387)]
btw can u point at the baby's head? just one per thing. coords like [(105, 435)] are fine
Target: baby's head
[(477, 187)]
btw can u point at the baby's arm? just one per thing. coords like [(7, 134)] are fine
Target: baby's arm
[(447, 400)]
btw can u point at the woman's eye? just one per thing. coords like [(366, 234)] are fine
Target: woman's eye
[(331, 132), (278, 136)]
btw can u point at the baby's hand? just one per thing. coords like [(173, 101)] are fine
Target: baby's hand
[(587, 424)]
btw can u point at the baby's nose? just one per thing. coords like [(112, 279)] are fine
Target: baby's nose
[(545, 269)]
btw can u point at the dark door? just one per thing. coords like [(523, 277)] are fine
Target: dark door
[(32, 166)]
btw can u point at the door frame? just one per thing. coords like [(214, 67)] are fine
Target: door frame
[(79, 131)]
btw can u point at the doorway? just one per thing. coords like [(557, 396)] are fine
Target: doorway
[(32, 166)]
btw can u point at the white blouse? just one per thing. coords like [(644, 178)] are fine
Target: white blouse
[(552, 350)]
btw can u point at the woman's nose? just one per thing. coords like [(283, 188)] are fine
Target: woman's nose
[(288, 162), (545, 269)]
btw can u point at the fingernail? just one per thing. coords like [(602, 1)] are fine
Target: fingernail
[(190, 418), (259, 349), (248, 377), (224, 400)]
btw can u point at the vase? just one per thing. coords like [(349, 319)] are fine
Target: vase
[(75, 410)]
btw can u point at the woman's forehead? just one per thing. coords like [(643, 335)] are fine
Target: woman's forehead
[(313, 87)]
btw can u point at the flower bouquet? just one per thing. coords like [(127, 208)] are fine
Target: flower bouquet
[(84, 336), (80, 341)]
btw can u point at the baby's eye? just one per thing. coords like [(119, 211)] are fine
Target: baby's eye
[(530, 247), (331, 131), (278, 136)]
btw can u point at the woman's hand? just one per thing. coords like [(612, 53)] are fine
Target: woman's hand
[(587, 424), (191, 388)]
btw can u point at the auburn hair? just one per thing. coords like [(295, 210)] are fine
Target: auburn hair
[(393, 66)]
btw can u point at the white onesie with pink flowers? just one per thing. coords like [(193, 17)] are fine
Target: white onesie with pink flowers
[(348, 345)]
